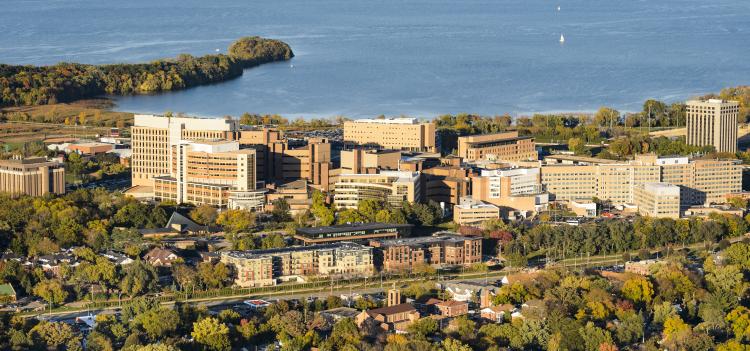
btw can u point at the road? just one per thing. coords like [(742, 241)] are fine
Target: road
[(216, 306)]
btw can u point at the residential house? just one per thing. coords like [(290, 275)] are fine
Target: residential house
[(161, 257), (116, 258), (462, 291), (533, 304), (426, 306), (452, 308), (497, 313), (50, 264)]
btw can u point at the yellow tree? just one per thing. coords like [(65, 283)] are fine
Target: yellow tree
[(638, 290), (82, 118), (674, 325)]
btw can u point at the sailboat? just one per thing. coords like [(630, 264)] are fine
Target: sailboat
[(562, 40)]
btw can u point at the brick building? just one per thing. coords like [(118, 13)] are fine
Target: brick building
[(444, 249), (452, 308)]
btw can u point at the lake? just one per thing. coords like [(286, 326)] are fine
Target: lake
[(417, 58)]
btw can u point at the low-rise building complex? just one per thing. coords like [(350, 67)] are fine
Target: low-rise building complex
[(267, 267), (442, 249)]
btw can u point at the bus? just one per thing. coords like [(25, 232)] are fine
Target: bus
[(114, 132)]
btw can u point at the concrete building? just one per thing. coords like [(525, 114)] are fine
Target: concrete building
[(154, 136), (207, 172), (659, 200), (266, 267), (513, 187), (474, 214), (406, 134), (704, 212), (32, 175), (355, 232), (583, 207), (276, 157), (700, 181), (369, 161), (446, 249), (90, 148), (447, 184), (389, 186), (576, 160), (505, 146), (713, 122)]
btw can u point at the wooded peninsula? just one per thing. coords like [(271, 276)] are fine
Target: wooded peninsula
[(32, 86)]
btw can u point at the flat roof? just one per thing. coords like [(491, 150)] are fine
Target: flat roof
[(426, 240), (580, 159), (498, 140), (349, 227), (260, 253)]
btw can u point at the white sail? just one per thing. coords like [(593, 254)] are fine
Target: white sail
[(561, 38)]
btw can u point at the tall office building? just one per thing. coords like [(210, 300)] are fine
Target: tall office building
[(153, 137), (503, 146), (406, 134), (32, 175), (713, 122), (389, 186), (207, 172), (700, 181)]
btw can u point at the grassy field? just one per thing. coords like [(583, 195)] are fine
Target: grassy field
[(14, 133)]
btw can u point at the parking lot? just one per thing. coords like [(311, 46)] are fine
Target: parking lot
[(111, 184)]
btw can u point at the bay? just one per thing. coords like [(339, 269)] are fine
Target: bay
[(417, 58)]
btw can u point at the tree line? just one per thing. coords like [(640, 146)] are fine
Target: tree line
[(32, 86)]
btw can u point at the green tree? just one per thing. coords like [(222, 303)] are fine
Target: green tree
[(425, 326), (139, 278), (739, 255), (236, 221), (577, 145), (213, 275), (159, 322), (204, 215), (350, 216), (281, 211), (738, 202), (55, 334), (211, 334), (594, 336), (51, 290), (368, 209), (726, 279), (333, 301)]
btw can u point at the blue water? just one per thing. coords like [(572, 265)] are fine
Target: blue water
[(417, 58)]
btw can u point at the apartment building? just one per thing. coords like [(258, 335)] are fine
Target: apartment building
[(713, 122), (353, 232), (505, 146), (267, 267), (369, 161), (700, 181), (406, 134), (659, 200), (154, 136), (207, 172), (389, 186), (442, 249), (32, 175), (514, 187), (452, 308)]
